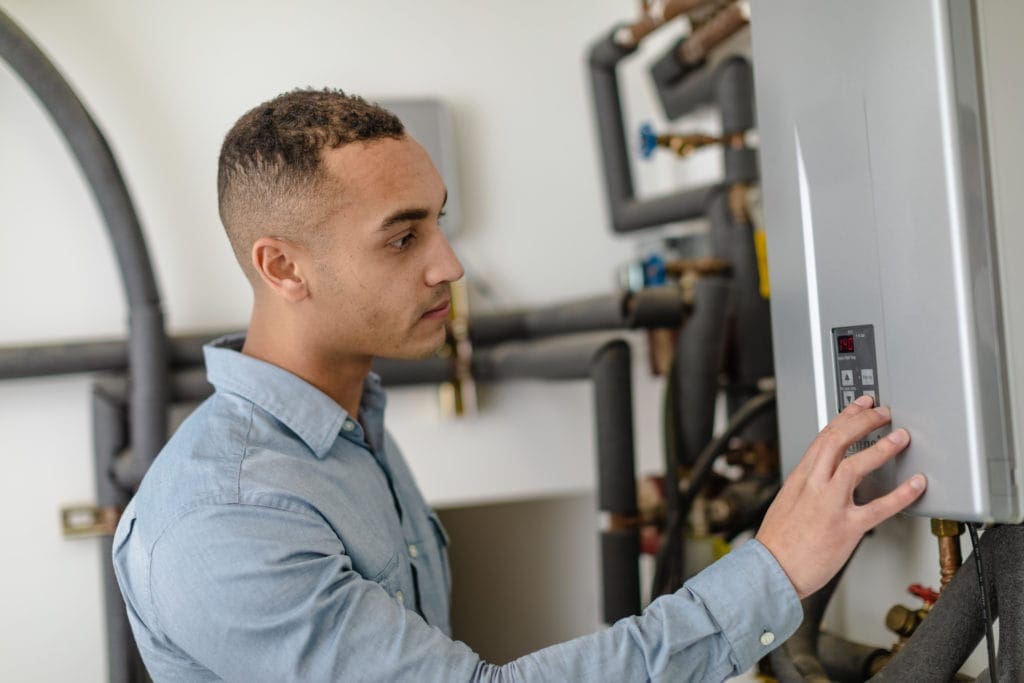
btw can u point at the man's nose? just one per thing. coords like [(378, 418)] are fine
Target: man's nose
[(444, 264)]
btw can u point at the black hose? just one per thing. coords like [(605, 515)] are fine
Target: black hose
[(668, 575), (990, 641), (953, 628)]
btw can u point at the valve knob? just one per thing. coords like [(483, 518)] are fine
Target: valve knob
[(648, 140), (923, 592)]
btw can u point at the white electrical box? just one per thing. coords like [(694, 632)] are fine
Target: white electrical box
[(892, 150)]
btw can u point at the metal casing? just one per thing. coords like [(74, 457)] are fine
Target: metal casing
[(892, 176)]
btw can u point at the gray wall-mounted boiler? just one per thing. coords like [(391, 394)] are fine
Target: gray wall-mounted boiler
[(892, 139)]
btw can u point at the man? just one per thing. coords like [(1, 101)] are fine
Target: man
[(280, 536)]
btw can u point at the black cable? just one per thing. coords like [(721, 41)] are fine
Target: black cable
[(668, 575), (990, 643)]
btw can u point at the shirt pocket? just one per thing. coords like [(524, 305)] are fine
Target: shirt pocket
[(390, 577)]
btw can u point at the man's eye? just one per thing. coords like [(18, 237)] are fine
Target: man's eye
[(403, 242)]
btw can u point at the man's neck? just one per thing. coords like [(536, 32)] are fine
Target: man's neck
[(340, 377)]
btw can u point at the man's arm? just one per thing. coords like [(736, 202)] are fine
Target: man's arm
[(249, 607)]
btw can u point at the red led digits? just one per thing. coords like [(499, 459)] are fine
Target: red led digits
[(845, 343)]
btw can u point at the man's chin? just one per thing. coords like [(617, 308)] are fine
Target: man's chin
[(415, 353)]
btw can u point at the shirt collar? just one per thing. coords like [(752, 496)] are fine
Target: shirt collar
[(313, 415)]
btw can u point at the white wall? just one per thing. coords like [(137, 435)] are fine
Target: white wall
[(165, 81)]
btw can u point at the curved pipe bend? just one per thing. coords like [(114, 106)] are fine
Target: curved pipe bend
[(147, 354)]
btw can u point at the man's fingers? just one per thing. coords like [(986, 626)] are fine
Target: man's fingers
[(881, 509), (850, 426), (858, 466)]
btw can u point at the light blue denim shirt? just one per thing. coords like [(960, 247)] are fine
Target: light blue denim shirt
[(276, 538)]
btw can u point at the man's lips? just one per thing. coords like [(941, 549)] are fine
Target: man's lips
[(438, 312)]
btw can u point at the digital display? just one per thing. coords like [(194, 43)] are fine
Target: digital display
[(845, 343)]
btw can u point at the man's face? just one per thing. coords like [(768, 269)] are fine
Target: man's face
[(381, 287)]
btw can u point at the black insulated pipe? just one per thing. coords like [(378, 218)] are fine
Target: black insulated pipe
[(18, 362), (954, 627), (627, 212), (147, 355), (729, 85), (741, 165), (649, 308), (608, 365), (697, 368), (748, 346), (679, 97), (110, 436), (670, 68)]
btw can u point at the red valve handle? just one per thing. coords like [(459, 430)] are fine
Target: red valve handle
[(925, 593)]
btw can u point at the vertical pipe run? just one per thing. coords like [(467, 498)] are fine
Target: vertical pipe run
[(148, 357), (626, 211), (697, 368), (611, 373), (110, 435)]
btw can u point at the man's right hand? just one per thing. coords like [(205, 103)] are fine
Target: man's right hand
[(814, 525)]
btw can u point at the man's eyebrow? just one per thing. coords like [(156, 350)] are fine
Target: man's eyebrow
[(413, 214)]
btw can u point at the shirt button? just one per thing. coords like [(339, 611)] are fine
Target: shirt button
[(401, 601), (348, 426), (413, 553), (767, 638)]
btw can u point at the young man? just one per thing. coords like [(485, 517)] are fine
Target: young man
[(280, 536)]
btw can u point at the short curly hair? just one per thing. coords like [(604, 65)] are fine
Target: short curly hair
[(270, 179)]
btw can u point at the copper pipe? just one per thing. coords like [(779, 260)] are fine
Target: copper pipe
[(950, 558), (699, 267), (619, 522), (704, 39), (655, 16)]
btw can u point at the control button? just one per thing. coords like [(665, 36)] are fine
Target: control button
[(413, 553), (867, 376), (348, 426), (767, 638), (872, 395), (401, 600), (848, 397), (847, 377)]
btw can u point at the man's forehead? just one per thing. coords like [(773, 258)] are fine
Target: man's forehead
[(376, 161), (381, 178)]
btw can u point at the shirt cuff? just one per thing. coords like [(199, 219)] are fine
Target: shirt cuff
[(752, 600)]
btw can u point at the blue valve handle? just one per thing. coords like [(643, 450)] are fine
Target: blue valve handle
[(648, 140)]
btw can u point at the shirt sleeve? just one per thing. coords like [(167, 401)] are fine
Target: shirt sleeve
[(249, 606)]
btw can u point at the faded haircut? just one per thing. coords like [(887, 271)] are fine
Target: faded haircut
[(270, 179)]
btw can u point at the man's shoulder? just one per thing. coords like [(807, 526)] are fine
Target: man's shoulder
[(217, 456)]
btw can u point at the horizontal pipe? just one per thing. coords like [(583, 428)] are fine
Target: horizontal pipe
[(395, 373), (684, 205), (19, 362), (681, 87), (649, 308)]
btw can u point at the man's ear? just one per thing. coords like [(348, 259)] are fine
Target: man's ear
[(278, 262)]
